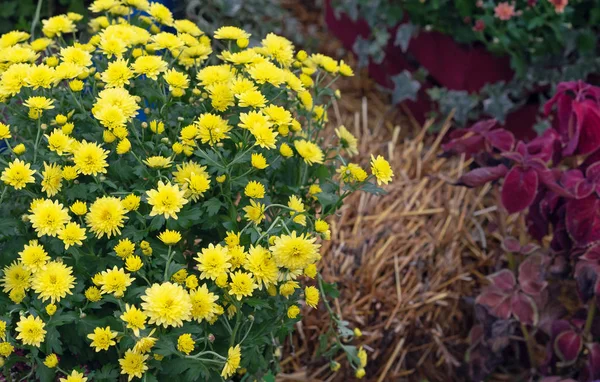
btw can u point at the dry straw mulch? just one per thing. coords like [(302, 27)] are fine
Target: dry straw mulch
[(406, 263)]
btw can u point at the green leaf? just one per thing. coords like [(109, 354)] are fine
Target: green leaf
[(331, 290), (212, 205), (403, 35), (108, 372), (405, 87), (372, 188), (52, 341), (156, 223), (44, 373)]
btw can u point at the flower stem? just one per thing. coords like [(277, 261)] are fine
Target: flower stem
[(590, 319), (529, 343), (37, 140), (169, 258)]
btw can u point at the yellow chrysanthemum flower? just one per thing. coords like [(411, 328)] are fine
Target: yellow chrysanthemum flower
[(106, 216), (115, 281), (309, 151), (31, 330), (75, 376), (49, 217), (16, 277), (242, 285), (18, 174), (255, 212), (381, 169), (213, 261), (185, 343), (170, 237), (90, 158), (167, 304), (51, 179), (234, 357), (34, 256), (102, 338), (133, 364), (167, 199), (311, 296), (295, 252), (54, 282), (204, 305), (134, 318)]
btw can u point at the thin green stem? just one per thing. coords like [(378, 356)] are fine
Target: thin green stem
[(2, 195), (238, 322), (169, 258), (36, 17), (590, 319), (37, 139)]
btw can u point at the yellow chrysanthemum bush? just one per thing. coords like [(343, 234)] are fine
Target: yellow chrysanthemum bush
[(164, 194)]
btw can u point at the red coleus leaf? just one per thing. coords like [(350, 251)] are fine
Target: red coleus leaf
[(501, 139), (482, 175), (464, 142), (583, 220), (531, 279), (519, 189), (503, 280), (592, 254), (510, 244), (586, 278), (542, 147), (574, 100), (524, 309), (588, 120), (567, 346)]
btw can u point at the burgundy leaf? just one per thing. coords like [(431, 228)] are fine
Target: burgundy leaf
[(483, 126), (571, 178), (593, 172), (592, 254), (531, 277), (586, 278), (510, 244), (524, 309), (483, 175), (467, 143), (550, 179), (583, 220), (588, 121), (528, 249), (560, 326), (538, 217), (491, 297), (503, 280), (519, 189), (501, 139), (583, 189), (567, 346), (502, 310), (542, 147)]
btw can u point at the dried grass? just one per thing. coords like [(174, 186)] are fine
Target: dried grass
[(404, 262)]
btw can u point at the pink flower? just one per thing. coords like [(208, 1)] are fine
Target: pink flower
[(559, 5), (479, 26), (505, 11)]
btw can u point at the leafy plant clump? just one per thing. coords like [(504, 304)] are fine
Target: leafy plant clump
[(165, 195), (538, 317), (548, 41)]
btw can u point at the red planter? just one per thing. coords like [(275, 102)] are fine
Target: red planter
[(449, 64)]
